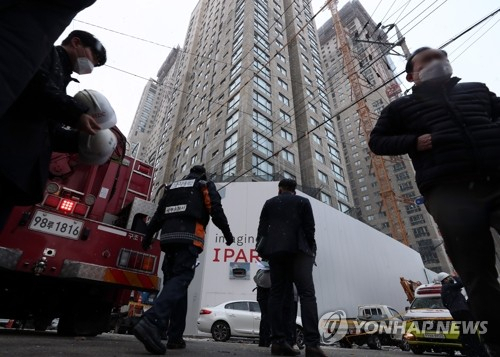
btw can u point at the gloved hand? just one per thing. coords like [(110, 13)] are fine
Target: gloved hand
[(229, 238), (147, 241)]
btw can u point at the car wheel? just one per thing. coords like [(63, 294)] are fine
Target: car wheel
[(299, 337), (417, 350), (404, 345), (374, 343), (221, 331)]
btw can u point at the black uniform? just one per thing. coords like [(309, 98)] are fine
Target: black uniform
[(182, 215), (459, 177), (287, 226), (31, 130)]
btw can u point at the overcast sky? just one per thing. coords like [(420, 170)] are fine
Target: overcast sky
[(165, 22)]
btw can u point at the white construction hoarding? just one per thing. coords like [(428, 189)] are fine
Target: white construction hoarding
[(356, 264)]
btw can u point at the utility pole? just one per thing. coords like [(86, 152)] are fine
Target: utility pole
[(389, 201)]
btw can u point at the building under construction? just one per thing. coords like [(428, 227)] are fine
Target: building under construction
[(369, 45)]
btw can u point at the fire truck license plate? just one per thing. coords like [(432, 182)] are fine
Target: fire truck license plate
[(434, 335), (55, 224)]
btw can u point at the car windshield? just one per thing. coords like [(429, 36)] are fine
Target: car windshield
[(428, 303)]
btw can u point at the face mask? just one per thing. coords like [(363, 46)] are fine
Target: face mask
[(83, 65), (436, 70)]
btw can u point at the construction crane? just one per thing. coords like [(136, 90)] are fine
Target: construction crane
[(389, 199)]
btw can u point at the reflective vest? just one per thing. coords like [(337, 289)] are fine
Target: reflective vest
[(185, 199)]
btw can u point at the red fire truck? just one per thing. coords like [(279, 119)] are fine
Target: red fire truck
[(77, 254)]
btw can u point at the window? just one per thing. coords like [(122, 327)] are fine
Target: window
[(288, 175), (262, 84), (281, 57), (283, 99), (282, 83), (262, 168), (285, 117), (281, 69), (262, 122), (236, 68), (261, 69), (232, 122), (334, 153), (417, 219), (325, 198), (402, 176), (338, 171), (405, 186), (261, 102), (286, 135), (421, 232), (288, 156), (234, 85), (263, 144), (194, 159), (341, 191), (316, 139), (319, 157), (229, 168), (233, 102), (413, 208), (230, 144), (344, 208), (261, 53), (239, 305), (322, 177)]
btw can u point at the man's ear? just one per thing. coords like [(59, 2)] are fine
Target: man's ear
[(409, 77)]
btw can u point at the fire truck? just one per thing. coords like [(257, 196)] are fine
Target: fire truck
[(77, 254)]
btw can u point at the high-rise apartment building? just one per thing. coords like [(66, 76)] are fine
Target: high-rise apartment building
[(144, 120), (422, 232), (248, 99)]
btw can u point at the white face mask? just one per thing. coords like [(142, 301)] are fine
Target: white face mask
[(436, 70), (83, 65)]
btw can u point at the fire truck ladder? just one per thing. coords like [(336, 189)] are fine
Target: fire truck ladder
[(389, 200)]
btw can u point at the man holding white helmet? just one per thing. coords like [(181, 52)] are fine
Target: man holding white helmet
[(32, 126)]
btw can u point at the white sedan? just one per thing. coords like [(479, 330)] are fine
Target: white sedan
[(238, 319)]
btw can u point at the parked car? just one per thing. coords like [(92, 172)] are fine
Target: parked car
[(239, 318)]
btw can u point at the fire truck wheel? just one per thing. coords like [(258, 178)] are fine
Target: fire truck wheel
[(85, 322), (41, 323)]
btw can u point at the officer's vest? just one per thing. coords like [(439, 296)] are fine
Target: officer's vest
[(185, 198)]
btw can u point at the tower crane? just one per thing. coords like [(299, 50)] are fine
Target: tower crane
[(389, 199)]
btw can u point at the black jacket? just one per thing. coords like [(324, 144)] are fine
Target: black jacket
[(185, 228), (451, 294), (287, 225), (463, 120), (28, 30), (31, 130)]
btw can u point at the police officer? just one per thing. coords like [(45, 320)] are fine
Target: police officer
[(182, 215)]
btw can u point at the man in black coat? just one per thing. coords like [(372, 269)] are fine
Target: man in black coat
[(28, 30), (454, 301), (32, 126), (182, 216), (287, 227), (451, 131)]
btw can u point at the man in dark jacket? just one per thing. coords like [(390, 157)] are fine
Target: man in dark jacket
[(451, 132), (454, 301), (287, 227), (182, 215), (31, 128), (28, 30)]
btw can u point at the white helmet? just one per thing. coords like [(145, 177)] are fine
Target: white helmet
[(96, 149), (99, 107), (441, 276)]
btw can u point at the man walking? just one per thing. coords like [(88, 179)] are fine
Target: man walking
[(182, 215), (454, 301), (287, 228), (451, 131)]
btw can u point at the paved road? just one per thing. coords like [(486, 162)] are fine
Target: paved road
[(48, 344)]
